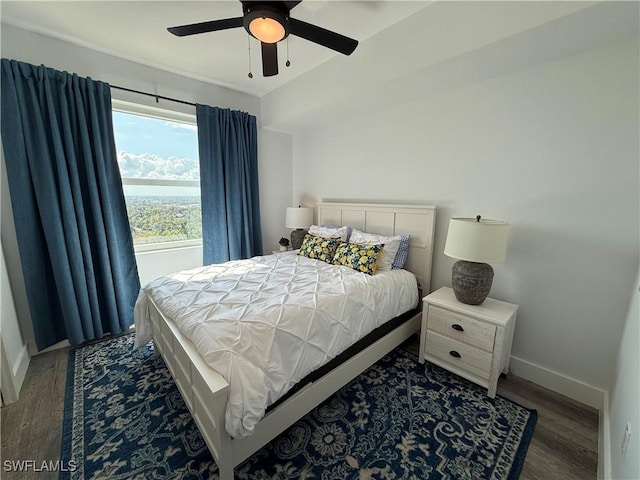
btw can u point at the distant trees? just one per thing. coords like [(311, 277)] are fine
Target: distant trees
[(155, 219)]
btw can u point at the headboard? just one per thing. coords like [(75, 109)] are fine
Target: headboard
[(384, 219)]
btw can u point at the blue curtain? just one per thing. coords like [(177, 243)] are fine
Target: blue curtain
[(227, 142), (70, 216)]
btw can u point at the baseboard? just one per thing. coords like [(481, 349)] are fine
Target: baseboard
[(13, 374), (55, 346), (19, 368), (559, 383), (604, 442)]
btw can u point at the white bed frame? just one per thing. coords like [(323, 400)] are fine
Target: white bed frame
[(205, 391)]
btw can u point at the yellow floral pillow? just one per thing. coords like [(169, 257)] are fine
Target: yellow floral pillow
[(318, 247), (360, 257)]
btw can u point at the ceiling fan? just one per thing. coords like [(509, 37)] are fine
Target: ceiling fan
[(269, 22)]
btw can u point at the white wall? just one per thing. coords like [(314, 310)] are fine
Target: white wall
[(274, 149), (440, 46), (154, 264), (551, 148), (275, 185), (12, 261), (624, 397), (14, 355)]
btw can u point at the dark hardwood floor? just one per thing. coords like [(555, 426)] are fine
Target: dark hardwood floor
[(32, 426), (565, 441), (564, 444)]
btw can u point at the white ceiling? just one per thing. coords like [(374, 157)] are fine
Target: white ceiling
[(137, 31)]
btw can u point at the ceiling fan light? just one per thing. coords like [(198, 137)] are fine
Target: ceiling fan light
[(267, 30)]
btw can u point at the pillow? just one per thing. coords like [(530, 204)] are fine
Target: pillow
[(319, 248), (330, 231), (363, 258), (391, 245), (403, 252)]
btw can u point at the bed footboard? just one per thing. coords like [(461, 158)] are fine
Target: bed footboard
[(204, 391)]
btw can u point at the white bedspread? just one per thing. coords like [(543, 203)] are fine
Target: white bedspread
[(266, 322)]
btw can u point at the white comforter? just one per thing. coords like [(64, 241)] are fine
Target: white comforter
[(266, 322)]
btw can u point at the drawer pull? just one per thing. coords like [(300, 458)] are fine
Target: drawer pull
[(457, 327), (453, 353)]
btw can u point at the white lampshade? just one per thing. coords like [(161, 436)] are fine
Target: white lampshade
[(483, 241), (298, 217)]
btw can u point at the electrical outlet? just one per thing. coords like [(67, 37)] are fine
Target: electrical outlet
[(625, 440)]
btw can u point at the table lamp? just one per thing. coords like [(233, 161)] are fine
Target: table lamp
[(475, 242), (298, 218)]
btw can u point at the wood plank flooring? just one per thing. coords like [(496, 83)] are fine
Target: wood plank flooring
[(32, 426), (564, 444)]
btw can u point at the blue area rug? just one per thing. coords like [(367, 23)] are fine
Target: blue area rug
[(125, 419)]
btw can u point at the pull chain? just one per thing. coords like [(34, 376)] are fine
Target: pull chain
[(249, 44), (288, 62)]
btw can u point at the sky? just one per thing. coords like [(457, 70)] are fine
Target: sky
[(155, 148)]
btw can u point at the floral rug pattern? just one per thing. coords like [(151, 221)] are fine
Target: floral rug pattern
[(125, 419)]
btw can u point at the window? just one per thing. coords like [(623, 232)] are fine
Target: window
[(158, 160)]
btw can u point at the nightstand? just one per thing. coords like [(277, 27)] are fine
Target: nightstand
[(473, 341)]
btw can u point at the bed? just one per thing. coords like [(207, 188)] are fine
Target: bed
[(206, 392)]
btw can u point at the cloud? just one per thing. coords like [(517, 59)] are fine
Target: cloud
[(149, 165), (186, 126)]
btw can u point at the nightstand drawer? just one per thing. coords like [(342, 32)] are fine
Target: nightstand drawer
[(461, 327), (464, 356)]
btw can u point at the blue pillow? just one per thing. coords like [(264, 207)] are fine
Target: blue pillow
[(402, 253), (349, 229)]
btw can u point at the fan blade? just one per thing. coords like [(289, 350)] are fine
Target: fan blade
[(204, 27), (269, 59), (285, 7), (292, 4), (322, 36)]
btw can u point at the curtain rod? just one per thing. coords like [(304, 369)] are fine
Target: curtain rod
[(157, 97)]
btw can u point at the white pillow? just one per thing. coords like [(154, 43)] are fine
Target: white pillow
[(391, 245), (329, 232)]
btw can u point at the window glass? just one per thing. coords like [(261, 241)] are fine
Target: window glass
[(158, 160)]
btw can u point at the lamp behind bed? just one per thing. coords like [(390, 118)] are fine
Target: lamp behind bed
[(299, 218)]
